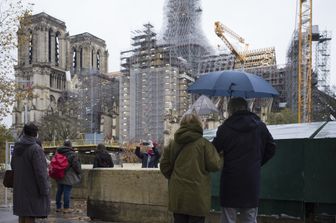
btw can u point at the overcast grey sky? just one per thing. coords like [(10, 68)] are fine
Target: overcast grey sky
[(263, 23)]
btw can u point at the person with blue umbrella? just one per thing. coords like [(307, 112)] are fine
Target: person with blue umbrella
[(246, 145)]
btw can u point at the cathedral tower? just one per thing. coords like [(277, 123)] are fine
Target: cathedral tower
[(41, 71)]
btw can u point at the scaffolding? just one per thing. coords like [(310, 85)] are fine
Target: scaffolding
[(223, 61), (153, 86), (318, 81), (322, 60), (263, 57), (97, 96), (183, 33)]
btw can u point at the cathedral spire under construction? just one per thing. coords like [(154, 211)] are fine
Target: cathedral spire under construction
[(182, 30)]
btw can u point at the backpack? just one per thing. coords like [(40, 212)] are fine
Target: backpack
[(57, 166)]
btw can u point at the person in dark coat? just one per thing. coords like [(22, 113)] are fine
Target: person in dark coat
[(102, 157), (246, 145), (151, 157), (71, 177), (31, 183), (187, 162)]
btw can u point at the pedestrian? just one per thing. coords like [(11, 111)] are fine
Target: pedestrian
[(102, 157), (151, 157), (187, 162), (71, 177), (246, 145), (31, 183)]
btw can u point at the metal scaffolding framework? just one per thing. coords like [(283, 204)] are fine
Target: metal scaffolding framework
[(316, 108), (322, 60), (182, 30), (97, 96), (152, 87)]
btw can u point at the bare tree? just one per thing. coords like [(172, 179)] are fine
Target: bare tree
[(64, 122), (12, 12), (5, 135)]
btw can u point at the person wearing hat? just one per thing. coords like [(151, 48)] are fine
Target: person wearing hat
[(31, 186), (151, 157), (71, 177)]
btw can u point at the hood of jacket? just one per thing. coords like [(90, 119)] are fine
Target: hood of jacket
[(23, 143), (243, 121), (188, 133), (102, 152), (65, 150)]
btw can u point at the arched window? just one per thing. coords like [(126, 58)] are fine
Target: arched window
[(52, 99), (30, 47), (51, 80), (57, 48), (81, 58), (58, 82), (60, 105), (92, 60), (74, 59), (63, 82), (98, 60), (49, 44)]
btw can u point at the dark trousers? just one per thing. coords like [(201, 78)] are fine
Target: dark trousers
[(26, 219), (183, 218), (66, 191)]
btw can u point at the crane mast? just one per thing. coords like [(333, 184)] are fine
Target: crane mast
[(304, 75)]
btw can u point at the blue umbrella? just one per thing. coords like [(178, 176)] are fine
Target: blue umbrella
[(232, 83)]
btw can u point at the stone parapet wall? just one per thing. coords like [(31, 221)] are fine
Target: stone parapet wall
[(127, 195)]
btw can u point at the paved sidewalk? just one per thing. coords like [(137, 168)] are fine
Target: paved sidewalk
[(6, 216), (78, 216)]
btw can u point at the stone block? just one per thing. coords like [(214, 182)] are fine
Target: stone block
[(128, 195)]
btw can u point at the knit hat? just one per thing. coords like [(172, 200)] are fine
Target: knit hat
[(67, 143)]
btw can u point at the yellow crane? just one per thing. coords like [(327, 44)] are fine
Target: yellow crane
[(304, 74), (221, 30)]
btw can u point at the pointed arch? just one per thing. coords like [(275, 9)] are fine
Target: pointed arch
[(81, 58), (98, 62), (57, 48), (74, 59), (30, 47), (50, 34)]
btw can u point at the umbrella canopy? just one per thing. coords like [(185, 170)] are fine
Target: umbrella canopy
[(203, 106), (233, 83)]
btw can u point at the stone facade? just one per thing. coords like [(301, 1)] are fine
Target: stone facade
[(50, 63), (41, 68)]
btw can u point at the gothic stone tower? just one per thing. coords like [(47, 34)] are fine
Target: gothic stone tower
[(41, 68), (53, 66), (97, 92), (88, 54)]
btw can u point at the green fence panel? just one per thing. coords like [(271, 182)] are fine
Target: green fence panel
[(320, 171), (282, 176)]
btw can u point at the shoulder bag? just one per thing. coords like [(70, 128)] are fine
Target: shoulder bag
[(8, 179)]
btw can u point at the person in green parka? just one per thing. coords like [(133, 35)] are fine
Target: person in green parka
[(187, 162)]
